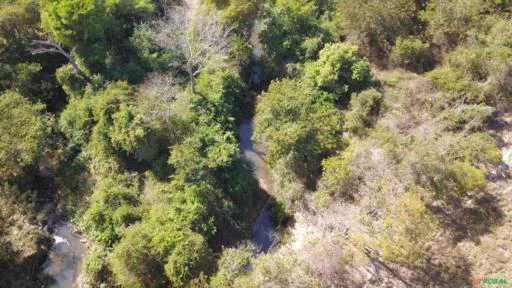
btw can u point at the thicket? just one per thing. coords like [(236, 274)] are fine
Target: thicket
[(125, 112)]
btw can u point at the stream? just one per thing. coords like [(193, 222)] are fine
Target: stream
[(263, 228), (61, 268), (65, 256)]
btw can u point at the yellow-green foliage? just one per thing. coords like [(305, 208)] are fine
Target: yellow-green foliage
[(374, 25), (339, 70), (24, 131), (412, 54), (466, 177), (234, 263), (406, 229), (337, 180)]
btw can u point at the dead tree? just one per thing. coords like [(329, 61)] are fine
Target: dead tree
[(200, 37), (50, 46)]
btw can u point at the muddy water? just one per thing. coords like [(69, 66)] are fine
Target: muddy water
[(263, 228), (64, 261)]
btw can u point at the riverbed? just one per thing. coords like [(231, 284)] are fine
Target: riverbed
[(65, 257)]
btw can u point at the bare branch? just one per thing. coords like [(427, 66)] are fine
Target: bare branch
[(201, 38), (50, 46)]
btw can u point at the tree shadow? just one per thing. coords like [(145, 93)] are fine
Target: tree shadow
[(443, 267), (471, 219)]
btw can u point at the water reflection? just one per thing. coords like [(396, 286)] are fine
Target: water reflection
[(65, 257)]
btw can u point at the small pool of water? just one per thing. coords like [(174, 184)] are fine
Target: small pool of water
[(65, 257)]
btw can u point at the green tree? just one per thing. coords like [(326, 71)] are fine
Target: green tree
[(450, 21), (207, 149), (374, 25), (292, 24), (294, 118), (112, 209), (233, 263), (25, 132), (220, 95), (19, 24), (339, 70), (74, 21), (412, 54)]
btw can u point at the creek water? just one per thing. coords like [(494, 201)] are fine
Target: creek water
[(65, 257), (263, 228)]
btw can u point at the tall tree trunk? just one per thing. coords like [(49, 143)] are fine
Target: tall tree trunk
[(192, 82)]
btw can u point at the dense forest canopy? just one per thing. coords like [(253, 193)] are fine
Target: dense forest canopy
[(385, 128)]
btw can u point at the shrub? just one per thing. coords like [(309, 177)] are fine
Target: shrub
[(96, 268), (406, 229), (448, 21), (190, 257), (233, 263), (460, 88), (25, 131), (374, 25), (339, 70), (412, 54), (291, 117), (364, 110), (338, 181), (466, 117), (466, 178)]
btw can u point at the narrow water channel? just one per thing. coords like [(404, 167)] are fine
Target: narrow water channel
[(65, 257), (263, 228)]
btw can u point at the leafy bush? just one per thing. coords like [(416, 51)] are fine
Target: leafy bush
[(290, 24), (458, 86), (233, 263), (96, 268), (448, 21), (374, 25), (288, 188), (406, 229), (112, 209), (338, 181), (411, 54), (339, 70), (466, 117), (25, 133), (292, 118), (220, 96), (364, 110)]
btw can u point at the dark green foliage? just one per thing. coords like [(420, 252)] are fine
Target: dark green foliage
[(364, 110), (112, 208), (152, 55), (291, 25), (207, 149), (450, 21), (412, 54), (374, 25), (293, 118), (220, 95), (100, 31), (97, 268), (233, 264), (19, 24)]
